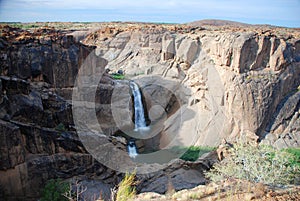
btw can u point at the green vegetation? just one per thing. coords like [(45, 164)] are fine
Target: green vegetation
[(24, 26), (295, 161), (55, 190), (194, 196), (57, 25), (126, 190), (117, 76), (192, 153), (60, 127), (258, 163)]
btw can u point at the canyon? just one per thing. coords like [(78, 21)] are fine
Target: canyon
[(63, 115)]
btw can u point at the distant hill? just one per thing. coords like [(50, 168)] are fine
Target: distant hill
[(214, 22)]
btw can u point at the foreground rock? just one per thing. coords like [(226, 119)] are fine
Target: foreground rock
[(38, 142), (177, 175), (234, 190)]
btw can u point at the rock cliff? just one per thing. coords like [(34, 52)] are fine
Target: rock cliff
[(200, 84), (234, 81), (38, 139)]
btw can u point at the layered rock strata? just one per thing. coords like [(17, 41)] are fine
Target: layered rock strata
[(200, 84)]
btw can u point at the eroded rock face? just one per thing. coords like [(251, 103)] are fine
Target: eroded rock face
[(235, 80), (177, 175), (39, 154), (45, 54), (38, 141), (201, 85), (283, 130)]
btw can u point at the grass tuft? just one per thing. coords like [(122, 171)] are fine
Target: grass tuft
[(126, 190)]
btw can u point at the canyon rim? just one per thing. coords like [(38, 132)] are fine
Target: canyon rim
[(64, 115)]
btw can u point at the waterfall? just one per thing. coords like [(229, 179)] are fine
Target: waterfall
[(139, 116), (131, 149)]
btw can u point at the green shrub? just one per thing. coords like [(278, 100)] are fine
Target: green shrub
[(60, 127), (192, 153), (55, 190), (126, 190), (118, 76), (296, 153), (257, 164)]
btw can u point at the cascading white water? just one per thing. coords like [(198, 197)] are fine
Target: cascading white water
[(139, 117), (140, 122), (132, 152)]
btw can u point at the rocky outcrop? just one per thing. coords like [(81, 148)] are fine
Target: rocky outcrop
[(20, 101), (45, 54), (234, 82), (38, 139), (38, 142), (199, 85), (31, 156), (283, 130), (177, 175)]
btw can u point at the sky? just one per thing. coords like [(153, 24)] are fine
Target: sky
[(274, 12)]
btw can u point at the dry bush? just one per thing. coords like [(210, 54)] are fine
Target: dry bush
[(256, 163)]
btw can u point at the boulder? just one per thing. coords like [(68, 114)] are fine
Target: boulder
[(168, 47), (188, 50), (178, 175)]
